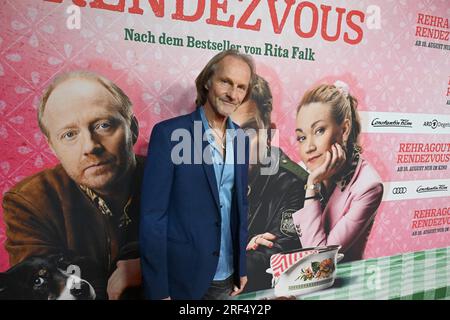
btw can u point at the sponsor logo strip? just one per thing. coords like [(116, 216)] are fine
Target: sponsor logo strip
[(392, 122), (416, 189)]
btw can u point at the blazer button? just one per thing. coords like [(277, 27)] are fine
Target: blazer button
[(216, 253), (217, 224)]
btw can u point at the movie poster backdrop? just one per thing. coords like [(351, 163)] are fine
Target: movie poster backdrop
[(393, 55)]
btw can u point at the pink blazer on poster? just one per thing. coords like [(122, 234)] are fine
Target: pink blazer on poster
[(347, 217)]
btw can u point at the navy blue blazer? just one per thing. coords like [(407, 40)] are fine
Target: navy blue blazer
[(180, 215)]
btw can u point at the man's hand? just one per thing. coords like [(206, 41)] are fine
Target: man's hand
[(127, 274), (237, 290), (265, 239)]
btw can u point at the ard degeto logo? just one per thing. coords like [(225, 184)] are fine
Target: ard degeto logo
[(436, 124), (398, 123), (399, 190), (438, 188)]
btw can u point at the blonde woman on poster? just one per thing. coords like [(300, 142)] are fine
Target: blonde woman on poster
[(343, 190)]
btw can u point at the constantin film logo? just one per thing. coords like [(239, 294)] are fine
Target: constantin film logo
[(438, 188), (397, 123), (399, 190), (436, 124)]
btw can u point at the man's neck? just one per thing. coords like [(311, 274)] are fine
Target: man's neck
[(215, 119)]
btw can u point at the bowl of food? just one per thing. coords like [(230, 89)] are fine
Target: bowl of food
[(304, 271)]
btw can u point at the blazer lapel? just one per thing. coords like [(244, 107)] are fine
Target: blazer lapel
[(199, 147), (237, 172)]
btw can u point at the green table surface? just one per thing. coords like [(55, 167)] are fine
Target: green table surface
[(409, 276)]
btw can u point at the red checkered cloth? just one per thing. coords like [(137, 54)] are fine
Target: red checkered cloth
[(281, 262)]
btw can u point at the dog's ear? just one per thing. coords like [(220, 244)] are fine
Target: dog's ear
[(3, 285), (56, 258)]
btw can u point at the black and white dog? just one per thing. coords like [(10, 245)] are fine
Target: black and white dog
[(45, 278)]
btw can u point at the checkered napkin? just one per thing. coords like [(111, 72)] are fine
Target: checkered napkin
[(281, 262)]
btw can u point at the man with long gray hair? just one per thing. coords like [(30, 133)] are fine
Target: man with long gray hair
[(194, 197)]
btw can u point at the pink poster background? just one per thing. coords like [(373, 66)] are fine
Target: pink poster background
[(385, 71)]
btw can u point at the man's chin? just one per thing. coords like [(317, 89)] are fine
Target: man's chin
[(99, 184), (227, 110)]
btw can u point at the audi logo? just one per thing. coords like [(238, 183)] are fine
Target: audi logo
[(399, 190)]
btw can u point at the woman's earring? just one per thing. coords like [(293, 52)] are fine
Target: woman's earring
[(344, 144)]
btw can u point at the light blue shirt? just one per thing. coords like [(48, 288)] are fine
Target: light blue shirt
[(224, 172)]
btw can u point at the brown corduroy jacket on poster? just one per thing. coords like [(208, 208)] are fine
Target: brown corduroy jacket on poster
[(48, 213)]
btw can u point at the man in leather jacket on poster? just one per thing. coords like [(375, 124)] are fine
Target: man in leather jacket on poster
[(272, 198)]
